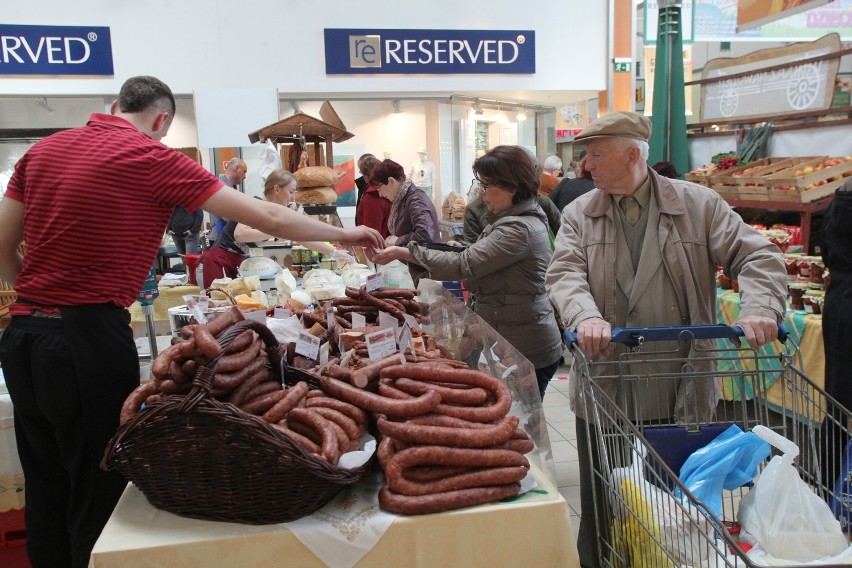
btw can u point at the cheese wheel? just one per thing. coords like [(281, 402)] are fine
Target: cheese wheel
[(315, 176), (316, 196)]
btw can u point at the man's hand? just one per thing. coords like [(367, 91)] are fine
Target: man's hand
[(758, 330), (364, 236), (593, 336)]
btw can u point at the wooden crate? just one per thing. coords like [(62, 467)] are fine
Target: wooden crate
[(787, 186), (748, 181), (700, 179)]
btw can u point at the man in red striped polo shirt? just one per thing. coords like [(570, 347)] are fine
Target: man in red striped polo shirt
[(92, 204)]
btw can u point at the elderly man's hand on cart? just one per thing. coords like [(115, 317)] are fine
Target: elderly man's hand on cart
[(593, 336), (758, 330)]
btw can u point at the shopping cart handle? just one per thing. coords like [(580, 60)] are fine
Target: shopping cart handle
[(631, 336)]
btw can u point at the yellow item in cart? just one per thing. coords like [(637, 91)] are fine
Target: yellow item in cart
[(641, 542)]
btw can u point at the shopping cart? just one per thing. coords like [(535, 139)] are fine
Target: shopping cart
[(637, 444)]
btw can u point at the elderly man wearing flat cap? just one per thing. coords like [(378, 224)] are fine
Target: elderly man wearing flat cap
[(641, 250)]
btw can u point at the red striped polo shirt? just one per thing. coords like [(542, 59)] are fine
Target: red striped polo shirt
[(97, 200)]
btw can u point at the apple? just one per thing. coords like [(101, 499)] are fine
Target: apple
[(808, 170)]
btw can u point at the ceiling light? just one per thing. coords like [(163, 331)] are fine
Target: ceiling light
[(521, 116), (397, 106)]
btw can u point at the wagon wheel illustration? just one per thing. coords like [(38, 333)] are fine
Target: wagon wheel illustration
[(729, 102), (802, 91)]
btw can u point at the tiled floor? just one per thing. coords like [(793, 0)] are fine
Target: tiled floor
[(563, 442)]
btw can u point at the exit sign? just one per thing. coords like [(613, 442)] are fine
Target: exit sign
[(621, 66)]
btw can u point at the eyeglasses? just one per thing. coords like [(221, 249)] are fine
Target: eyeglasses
[(485, 186)]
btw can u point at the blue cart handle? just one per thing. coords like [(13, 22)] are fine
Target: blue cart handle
[(630, 336)]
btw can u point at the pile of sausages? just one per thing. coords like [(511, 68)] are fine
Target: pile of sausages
[(394, 301), (446, 439)]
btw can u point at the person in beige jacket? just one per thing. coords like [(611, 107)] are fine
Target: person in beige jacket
[(640, 250)]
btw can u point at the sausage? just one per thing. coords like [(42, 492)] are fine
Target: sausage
[(153, 398), (481, 477), (344, 443), (517, 445), (383, 305), (446, 421), (229, 381), (189, 367), (395, 293), (434, 472), (260, 389), (365, 375), (160, 364), (352, 429), (291, 398), (176, 372), (455, 364), (224, 320), (450, 436), (317, 398), (426, 373), (264, 403), (444, 456), (338, 372), (440, 502), (170, 387), (465, 397), (379, 404), (385, 451), (240, 394), (238, 360), (300, 440), (206, 342), (329, 450), (390, 391), (240, 342), (135, 399)]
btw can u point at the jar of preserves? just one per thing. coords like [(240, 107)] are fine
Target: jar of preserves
[(797, 294), (817, 270), (791, 262), (813, 301)]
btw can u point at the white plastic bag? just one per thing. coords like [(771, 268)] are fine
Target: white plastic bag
[(783, 514)]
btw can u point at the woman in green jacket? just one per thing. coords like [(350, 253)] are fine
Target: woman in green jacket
[(505, 267)]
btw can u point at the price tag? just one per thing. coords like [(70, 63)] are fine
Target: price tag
[(387, 321), (257, 315), (281, 313), (411, 321), (329, 318), (374, 281), (323, 352), (405, 340), (197, 306), (358, 320), (308, 345), (380, 343)]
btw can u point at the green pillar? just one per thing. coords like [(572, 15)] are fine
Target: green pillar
[(668, 133)]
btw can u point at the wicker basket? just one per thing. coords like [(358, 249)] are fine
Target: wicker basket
[(195, 456)]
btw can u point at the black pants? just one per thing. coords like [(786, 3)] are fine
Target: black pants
[(68, 378)]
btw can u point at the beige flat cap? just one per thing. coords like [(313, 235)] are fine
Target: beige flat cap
[(618, 125)]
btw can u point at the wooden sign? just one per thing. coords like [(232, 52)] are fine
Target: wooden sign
[(768, 83)]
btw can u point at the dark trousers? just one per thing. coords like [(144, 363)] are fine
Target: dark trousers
[(68, 378), (594, 517), (544, 374)]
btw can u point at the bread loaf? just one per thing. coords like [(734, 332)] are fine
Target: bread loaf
[(315, 176), (316, 196)]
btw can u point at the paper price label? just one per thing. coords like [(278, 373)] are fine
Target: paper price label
[(387, 321), (411, 321), (324, 350), (374, 281), (405, 339), (381, 343), (281, 313), (308, 345), (257, 315), (329, 318), (358, 320)]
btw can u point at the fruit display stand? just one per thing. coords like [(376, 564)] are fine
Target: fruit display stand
[(701, 176), (809, 181), (748, 181)]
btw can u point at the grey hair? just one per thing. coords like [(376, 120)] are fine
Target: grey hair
[(233, 163), (552, 163)]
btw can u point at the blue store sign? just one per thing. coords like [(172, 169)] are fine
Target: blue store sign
[(385, 52), (55, 50)]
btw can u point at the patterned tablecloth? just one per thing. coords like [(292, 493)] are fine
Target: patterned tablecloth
[(805, 331)]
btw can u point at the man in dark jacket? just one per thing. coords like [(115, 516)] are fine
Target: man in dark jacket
[(570, 189), (184, 228)]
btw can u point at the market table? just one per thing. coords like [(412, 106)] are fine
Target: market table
[(806, 212), (535, 530), (170, 296), (805, 331)]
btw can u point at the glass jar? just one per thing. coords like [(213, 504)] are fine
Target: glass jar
[(797, 294), (817, 270), (813, 301), (791, 262)]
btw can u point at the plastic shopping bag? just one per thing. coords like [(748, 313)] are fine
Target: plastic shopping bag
[(728, 462), (786, 518)]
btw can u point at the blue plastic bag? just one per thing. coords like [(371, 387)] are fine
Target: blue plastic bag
[(728, 462)]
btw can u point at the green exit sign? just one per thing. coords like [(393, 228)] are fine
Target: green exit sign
[(621, 66)]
